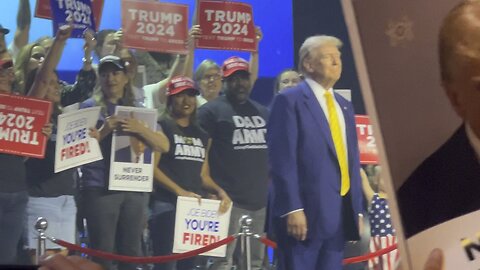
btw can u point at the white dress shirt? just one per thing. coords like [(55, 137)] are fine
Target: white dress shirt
[(134, 156)]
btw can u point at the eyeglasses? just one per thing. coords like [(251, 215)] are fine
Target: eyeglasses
[(212, 77)]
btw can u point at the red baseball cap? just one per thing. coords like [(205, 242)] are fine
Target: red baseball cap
[(179, 84), (234, 64)]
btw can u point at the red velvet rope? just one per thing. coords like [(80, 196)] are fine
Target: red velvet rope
[(144, 260), (369, 256), (174, 257), (351, 260), (268, 242)]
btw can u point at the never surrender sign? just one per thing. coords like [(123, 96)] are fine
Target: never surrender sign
[(79, 12), (43, 10), (198, 225), (132, 161), (366, 141), (153, 26), (226, 26), (74, 147), (21, 122)]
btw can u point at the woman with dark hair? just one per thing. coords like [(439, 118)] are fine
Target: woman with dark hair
[(33, 56), (115, 219), (180, 173), (51, 195), (106, 43), (13, 187)]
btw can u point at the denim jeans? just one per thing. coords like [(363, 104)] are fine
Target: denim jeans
[(60, 213), (12, 223), (115, 221)]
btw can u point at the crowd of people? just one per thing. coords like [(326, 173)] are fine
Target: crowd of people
[(299, 157)]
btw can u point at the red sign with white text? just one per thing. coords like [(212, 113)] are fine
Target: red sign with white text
[(21, 122), (155, 26), (226, 26), (366, 140), (43, 10)]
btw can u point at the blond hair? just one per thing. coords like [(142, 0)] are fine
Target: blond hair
[(314, 42)]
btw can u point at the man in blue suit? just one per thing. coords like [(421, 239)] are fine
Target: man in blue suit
[(315, 167), (136, 152)]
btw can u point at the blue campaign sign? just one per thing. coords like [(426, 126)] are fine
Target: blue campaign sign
[(79, 12)]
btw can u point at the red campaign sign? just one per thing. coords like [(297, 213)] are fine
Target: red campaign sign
[(226, 26), (366, 141), (21, 122), (43, 10), (154, 26)]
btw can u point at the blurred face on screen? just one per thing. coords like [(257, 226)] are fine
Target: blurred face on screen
[(463, 85), (464, 92)]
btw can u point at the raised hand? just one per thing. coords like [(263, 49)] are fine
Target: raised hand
[(90, 41)]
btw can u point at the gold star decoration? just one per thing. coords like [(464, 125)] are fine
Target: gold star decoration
[(400, 32)]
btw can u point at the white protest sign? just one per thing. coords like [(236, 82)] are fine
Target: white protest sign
[(459, 239), (198, 225), (131, 164), (74, 146)]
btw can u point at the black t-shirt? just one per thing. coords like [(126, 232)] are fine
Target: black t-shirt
[(183, 162), (12, 174), (238, 155), (42, 181)]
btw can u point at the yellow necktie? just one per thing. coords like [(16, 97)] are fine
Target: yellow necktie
[(338, 143)]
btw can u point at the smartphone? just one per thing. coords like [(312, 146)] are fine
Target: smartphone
[(396, 56)]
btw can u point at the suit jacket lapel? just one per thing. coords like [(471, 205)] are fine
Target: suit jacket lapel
[(315, 109), (348, 125)]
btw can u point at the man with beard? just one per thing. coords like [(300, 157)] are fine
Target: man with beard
[(238, 155)]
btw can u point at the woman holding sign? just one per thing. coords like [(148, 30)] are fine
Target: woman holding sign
[(182, 171), (51, 194), (115, 219)]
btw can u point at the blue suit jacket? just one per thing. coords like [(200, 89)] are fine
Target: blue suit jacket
[(304, 165)]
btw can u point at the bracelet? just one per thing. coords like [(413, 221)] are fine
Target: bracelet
[(87, 61)]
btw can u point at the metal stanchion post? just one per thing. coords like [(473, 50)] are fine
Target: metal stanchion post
[(246, 237), (41, 226)]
